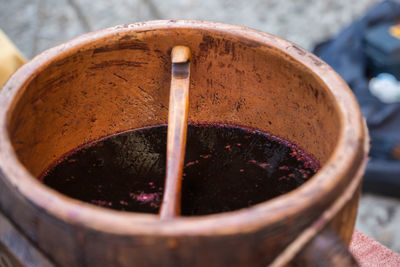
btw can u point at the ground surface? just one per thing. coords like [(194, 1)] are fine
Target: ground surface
[(35, 25)]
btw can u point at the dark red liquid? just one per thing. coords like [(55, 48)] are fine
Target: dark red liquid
[(226, 168)]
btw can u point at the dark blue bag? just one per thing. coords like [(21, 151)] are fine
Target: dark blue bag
[(345, 54)]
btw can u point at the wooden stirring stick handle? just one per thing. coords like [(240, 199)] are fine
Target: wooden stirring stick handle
[(177, 129)]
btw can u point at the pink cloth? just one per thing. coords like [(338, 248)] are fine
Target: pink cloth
[(370, 253)]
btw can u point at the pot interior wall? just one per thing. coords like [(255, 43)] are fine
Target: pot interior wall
[(122, 82)]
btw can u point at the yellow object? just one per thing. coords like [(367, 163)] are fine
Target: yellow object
[(395, 31), (10, 58)]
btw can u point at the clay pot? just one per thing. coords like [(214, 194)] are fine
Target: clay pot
[(118, 79)]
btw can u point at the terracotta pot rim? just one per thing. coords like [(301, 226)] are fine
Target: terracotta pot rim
[(347, 156)]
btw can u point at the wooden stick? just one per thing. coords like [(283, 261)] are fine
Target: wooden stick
[(177, 129)]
